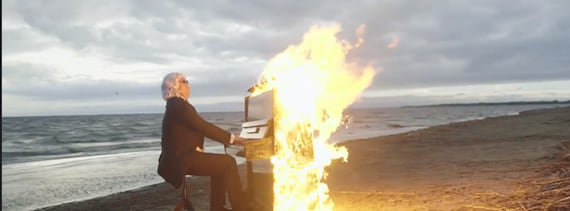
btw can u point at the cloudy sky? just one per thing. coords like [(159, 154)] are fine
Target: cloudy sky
[(66, 57)]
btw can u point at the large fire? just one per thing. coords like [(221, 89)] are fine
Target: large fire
[(313, 84)]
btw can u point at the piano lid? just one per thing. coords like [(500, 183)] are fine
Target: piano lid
[(259, 107)]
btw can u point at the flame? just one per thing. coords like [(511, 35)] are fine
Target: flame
[(394, 42), (312, 84)]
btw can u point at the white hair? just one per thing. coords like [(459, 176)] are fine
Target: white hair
[(171, 84)]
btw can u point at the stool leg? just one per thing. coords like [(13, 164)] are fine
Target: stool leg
[(187, 204), (180, 206), (184, 203)]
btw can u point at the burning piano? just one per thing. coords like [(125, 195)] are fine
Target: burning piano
[(288, 127), (258, 148), (259, 132)]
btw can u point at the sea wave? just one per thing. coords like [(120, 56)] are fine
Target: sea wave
[(50, 160)]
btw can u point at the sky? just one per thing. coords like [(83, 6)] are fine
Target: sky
[(67, 57)]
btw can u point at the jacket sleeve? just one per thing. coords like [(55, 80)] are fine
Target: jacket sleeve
[(190, 117)]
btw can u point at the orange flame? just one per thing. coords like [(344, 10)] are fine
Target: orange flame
[(313, 84), (394, 42)]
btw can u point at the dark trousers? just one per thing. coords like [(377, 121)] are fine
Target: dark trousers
[(223, 173)]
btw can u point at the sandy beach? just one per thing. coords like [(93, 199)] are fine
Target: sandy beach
[(517, 162)]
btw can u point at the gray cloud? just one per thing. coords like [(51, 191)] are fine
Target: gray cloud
[(441, 43), (37, 83)]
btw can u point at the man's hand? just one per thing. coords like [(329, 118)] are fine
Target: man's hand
[(238, 141)]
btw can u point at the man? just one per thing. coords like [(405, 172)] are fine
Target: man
[(183, 132)]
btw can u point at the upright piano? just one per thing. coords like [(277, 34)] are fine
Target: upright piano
[(258, 130)]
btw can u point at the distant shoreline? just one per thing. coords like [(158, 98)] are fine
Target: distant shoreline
[(491, 104), (553, 102)]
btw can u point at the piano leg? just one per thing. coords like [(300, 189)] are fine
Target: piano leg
[(259, 189), (250, 191)]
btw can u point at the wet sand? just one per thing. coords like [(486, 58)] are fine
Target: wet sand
[(503, 163)]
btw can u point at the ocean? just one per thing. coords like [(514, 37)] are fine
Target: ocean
[(58, 159)]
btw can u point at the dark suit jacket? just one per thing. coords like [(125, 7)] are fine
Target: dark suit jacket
[(182, 131)]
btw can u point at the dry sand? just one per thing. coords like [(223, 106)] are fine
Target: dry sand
[(504, 163)]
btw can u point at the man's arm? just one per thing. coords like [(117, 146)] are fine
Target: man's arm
[(190, 117)]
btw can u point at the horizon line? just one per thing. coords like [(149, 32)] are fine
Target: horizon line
[(536, 102)]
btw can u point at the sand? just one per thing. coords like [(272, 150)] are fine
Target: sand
[(504, 163)]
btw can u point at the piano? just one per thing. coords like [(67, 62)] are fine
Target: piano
[(259, 146), (258, 130)]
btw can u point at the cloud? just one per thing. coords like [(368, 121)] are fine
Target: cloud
[(87, 50)]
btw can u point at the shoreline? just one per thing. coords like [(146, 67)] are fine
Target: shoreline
[(498, 163), (381, 174)]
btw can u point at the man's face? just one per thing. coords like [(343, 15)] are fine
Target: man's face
[(184, 88)]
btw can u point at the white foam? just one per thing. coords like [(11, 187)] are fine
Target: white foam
[(37, 184)]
